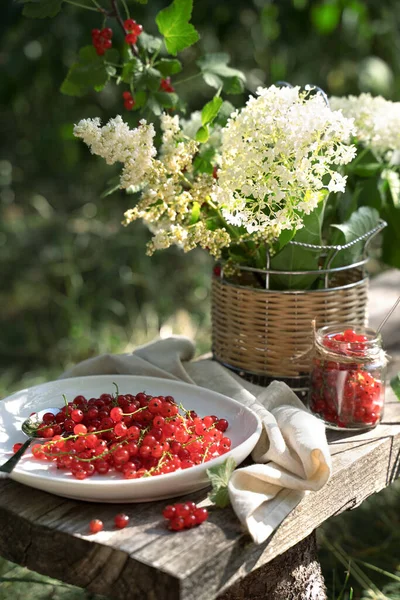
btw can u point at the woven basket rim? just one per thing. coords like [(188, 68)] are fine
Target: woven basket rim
[(347, 286)]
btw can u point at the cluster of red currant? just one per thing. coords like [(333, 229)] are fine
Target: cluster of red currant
[(120, 521), (133, 31), (129, 101), (136, 435), (166, 86), (184, 516), (345, 393), (101, 39)]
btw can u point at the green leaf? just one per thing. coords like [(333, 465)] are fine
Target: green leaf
[(234, 85), (395, 385), (219, 477), (166, 99), (110, 70), (203, 160), (393, 183), (169, 66), (360, 222), (365, 170), (285, 237), (152, 79), (150, 43), (202, 134), (88, 73), (42, 9), (217, 74), (140, 99), (173, 24), (224, 113), (297, 258), (211, 110), (131, 70), (154, 106)]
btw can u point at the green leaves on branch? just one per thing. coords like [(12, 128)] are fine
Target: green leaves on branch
[(208, 115), (173, 24), (211, 110), (219, 477), (90, 72), (297, 258), (217, 74), (169, 66), (360, 222), (40, 9), (150, 43)]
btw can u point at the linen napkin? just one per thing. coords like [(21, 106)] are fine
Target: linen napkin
[(291, 456)]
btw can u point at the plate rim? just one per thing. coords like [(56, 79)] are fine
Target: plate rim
[(142, 481)]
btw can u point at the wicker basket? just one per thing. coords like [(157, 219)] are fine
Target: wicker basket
[(265, 334)]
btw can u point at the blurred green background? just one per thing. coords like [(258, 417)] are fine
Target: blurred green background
[(74, 282)]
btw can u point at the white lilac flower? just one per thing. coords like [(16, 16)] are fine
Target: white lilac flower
[(376, 119), (278, 153)]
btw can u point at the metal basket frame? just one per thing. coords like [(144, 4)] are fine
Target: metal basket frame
[(328, 271), (299, 383)]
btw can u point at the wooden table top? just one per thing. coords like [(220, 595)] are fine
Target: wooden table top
[(50, 535)]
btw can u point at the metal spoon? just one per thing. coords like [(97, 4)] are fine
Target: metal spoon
[(386, 318), (29, 428)]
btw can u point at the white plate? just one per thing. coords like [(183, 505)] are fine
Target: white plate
[(244, 431)]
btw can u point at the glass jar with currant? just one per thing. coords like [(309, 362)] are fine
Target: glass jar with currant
[(348, 377)]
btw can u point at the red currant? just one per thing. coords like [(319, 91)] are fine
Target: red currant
[(96, 525), (121, 520), (129, 103)]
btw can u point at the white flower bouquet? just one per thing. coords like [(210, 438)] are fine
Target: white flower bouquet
[(252, 180)]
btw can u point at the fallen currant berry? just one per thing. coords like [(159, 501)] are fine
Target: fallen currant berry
[(96, 525), (121, 520), (184, 515)]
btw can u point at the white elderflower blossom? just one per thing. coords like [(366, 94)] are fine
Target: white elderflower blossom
[(377, 122), (116, 142), (279, 154), (172, 193)]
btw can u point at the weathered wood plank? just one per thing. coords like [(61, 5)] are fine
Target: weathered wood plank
[(294, 575), (49, 534)]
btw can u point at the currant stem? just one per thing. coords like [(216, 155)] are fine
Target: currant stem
[(117, 15), (79, 5), (126, 9), (99, 8), (134, 412), (187, 79)]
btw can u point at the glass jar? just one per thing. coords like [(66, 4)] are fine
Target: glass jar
[(347, 387)]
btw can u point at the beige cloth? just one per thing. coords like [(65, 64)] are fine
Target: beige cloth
[(292, 455)]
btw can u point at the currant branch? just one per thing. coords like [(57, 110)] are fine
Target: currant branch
[(117, 15)]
